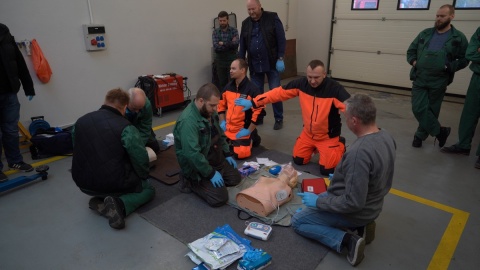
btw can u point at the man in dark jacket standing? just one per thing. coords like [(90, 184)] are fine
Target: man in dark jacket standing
[(263, 38), (110, 161), (13, 70)]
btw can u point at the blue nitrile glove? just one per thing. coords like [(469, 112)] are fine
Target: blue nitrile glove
[(223, 125), (217, 180), (30, 97), (242, 133), (280, 66), (232, 161), (247, 104), (309, 199)]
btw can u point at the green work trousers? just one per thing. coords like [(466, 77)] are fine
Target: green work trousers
[(470, 114), (428, 90), (426, 105), (132, 201)]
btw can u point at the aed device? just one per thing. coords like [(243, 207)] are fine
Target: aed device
[(94, 36), (258, 230)]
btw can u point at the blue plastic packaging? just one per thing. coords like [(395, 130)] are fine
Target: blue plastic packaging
[(254, 260), (246, 170)]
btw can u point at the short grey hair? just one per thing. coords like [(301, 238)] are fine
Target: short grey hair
[(362, 107)]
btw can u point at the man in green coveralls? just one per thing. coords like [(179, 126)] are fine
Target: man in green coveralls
[(435, 55), (139, 113), (471, 108), (202, 150)]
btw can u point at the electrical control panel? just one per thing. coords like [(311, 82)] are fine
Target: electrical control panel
[(94, 35)]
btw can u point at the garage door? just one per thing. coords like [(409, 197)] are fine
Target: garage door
[(369, 45)]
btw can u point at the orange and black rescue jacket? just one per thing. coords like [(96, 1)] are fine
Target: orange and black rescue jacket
[(320, 106), (235, 118)]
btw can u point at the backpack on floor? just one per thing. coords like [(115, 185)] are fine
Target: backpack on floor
[(51, 142)]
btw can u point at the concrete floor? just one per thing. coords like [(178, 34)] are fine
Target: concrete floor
[(430, 219)]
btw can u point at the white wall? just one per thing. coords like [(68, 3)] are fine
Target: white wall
[(143, 37), (313, 34)]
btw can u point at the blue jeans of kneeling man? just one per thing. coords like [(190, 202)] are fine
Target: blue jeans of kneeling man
[(324, 227)]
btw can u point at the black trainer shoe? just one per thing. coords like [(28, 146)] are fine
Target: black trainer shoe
[(368, 232), (477, 164), (113, 211), (417, 142), (278, 124), (3, 177), (454, 149), (443, 135), (97, 204), (22, 166), (355, 247)]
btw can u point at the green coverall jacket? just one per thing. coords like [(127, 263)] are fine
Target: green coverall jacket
[(143, 122), (454, 50), (472, 52), (192, 134)]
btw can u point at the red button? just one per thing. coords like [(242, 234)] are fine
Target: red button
[(93, 42)]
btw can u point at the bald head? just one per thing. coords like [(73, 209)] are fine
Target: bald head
[(137, 99), (254, 9)]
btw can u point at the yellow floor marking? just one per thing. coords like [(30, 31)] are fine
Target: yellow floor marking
[(445, 249), (164, 125), (36, 164)]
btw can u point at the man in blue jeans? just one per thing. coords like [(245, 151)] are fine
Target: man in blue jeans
[(355, 196), (13, 72), (263, 38)]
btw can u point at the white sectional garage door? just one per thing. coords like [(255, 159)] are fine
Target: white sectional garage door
[(370, 45)]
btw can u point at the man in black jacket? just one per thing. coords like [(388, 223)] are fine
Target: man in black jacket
[(263, 38), (13, 70), (110, 161)]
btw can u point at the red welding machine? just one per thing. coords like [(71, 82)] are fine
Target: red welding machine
[(165, 92), (170, 92)]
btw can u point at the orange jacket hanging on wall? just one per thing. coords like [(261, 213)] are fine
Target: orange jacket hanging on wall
[(40, 63)]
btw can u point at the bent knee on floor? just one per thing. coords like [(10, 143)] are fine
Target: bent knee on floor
[(300, 160)]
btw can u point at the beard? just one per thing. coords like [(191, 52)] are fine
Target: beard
[(440, 26), (204, 112), (223, 26)]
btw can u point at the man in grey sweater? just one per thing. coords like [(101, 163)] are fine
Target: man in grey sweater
[(355, 196)]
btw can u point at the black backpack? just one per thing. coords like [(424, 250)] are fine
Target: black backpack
[(149, 86)]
